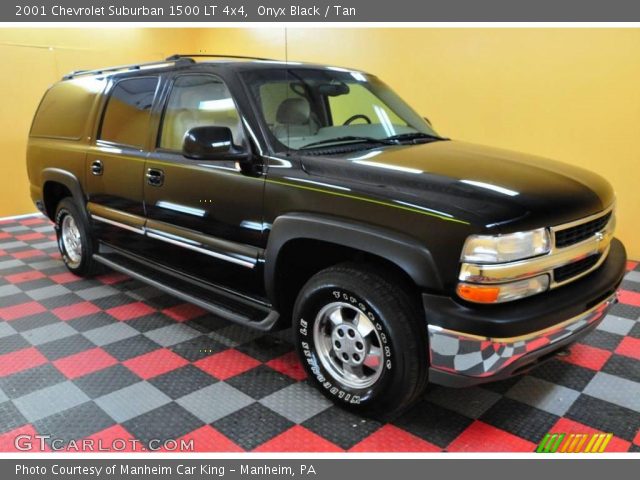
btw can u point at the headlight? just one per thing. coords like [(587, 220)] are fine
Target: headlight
[(506, 248)]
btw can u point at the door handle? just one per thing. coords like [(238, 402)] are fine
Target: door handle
[(97, 168), (155, 177)]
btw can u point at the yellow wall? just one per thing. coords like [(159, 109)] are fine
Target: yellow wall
[(568, 94), (33, 59)]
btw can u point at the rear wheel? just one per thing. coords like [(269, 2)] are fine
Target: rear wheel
[(75, 242), (361, 339)]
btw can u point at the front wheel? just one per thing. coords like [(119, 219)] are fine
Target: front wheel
[(361, 339)]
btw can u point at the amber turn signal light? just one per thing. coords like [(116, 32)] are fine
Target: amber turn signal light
[(504, 292), (479, 293)]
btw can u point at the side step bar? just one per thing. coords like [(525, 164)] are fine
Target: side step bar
[(208, 297)]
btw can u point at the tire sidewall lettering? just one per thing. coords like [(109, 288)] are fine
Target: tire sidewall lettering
[(305, 343), (63, 212)]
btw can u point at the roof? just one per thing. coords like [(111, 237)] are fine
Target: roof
[(185, 59)]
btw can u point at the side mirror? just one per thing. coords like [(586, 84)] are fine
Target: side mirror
[(211, 143)]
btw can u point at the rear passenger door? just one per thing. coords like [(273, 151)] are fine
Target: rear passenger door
[(115, 162)]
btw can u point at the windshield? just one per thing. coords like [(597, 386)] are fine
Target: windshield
[(306, 108)]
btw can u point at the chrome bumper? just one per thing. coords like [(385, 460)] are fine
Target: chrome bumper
[(479, 357)]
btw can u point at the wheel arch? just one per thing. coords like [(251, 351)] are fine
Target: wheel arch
[(405, 253), (58, 184)]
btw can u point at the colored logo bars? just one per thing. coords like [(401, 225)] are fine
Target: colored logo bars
[(574, 443)]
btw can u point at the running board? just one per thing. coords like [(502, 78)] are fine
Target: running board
[(224, 304)]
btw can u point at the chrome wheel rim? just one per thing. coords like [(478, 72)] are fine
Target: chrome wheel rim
[(71, 240), (348, 345)]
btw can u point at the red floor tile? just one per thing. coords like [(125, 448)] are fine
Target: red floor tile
[(631, 265), (130, 311), (184, 312), (30, 236), (564, 425), (35, 221), (636, 439), (155, 363), (76, 310), (629, 298), (112, 277), (22, 439), (288, 364), (28, 254), (4, 235), (25, 359), (24, 276), (390, 438), (629, 347), (114, 439), (587, 356), (298, 439), (66, 277), (227, 364), (84, 363), (481, 437), (208, 439), (21, 310)]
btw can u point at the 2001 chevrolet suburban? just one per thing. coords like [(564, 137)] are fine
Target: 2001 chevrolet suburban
[(274, 193)]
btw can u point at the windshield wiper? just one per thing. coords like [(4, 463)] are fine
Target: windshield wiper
[(350, 139), (414, 136)]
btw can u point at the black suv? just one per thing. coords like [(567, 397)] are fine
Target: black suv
[(275, 194)]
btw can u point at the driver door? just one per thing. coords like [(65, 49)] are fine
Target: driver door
[(204, 217)]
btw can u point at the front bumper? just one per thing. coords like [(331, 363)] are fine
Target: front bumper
[(471, 345)]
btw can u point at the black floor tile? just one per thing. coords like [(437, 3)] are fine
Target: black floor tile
[(519, 419), (252, 425), (168, 422), (182, 381), (605, 416), (106, 381)]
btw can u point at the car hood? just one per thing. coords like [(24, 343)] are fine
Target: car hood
[(489, 187)]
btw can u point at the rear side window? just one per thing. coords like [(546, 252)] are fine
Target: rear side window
[(126, 116), (65, 108)]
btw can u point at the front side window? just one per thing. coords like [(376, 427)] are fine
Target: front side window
[(307, 108), (126, 116), (198, 101)]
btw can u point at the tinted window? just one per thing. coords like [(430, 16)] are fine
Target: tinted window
[(126, 117), (196, 101), (309, 107), (65, 108)]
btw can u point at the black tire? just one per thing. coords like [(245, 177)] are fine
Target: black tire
[(84, 265), (400, 328)]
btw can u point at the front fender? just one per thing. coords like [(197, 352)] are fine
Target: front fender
[(404, 251)]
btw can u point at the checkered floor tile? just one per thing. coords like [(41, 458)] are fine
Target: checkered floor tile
[(111, 359)]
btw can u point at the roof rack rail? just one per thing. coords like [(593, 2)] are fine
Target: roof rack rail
[(178, 56), (125, 68)]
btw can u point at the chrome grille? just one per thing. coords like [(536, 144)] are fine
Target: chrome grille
[(572, 235)]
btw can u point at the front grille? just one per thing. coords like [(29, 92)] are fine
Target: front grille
[(572, 235), (566, 272)]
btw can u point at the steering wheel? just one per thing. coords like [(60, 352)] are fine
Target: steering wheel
[(353, 118)]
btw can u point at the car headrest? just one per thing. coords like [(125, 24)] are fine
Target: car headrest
[(294, 111)]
